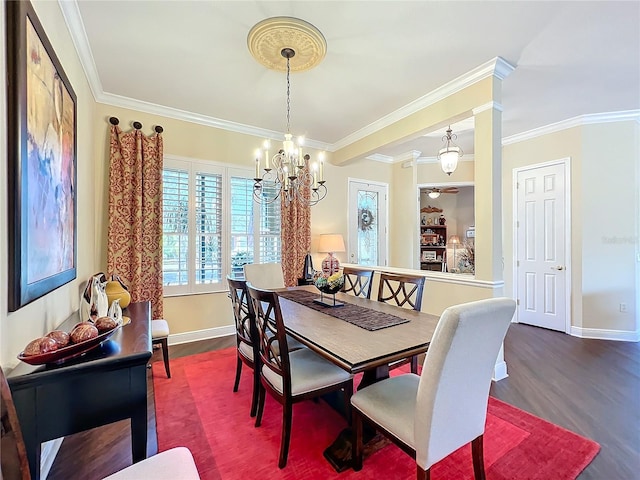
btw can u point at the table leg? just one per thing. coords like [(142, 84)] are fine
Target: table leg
[(139, 413), (32, 446), (139, 434), (338, 454), (374, 375)]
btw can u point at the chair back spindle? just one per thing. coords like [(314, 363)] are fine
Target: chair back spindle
[(242, 312), (272, 338), (357, 282), (401, 290)]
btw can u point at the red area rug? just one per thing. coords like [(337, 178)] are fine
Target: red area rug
[(197, 408)]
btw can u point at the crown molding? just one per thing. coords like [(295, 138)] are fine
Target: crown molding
[(581, 120), (488, 106), (434, 160), (502, 68), (154, 109), (378, 157), (73, 19), (424, 160), (497, 67), (411, 156)]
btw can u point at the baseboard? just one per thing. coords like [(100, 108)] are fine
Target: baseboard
[(500, 371), (48, 455), (603, 334), (187, 337)]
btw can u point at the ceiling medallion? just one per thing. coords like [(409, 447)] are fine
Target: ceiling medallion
[(268, 38)]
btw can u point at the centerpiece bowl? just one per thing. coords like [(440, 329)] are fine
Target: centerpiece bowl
[(329, 285)]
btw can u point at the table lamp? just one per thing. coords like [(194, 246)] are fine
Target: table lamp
[(455, 241), (330, 243)]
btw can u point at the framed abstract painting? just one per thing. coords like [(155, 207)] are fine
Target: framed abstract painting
[(42, 216)]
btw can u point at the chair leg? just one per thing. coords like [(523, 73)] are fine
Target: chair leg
[(238, 372), (478, 458), (356, 447), (287, 413), (256, 390), (165, 355), (414, 364), (261, 394)]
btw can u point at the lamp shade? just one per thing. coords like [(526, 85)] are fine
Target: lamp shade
[(330, 243), (449, 159), (454, 240)]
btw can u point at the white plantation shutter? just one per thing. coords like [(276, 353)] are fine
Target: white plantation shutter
[(175, 226), (270, 229), (212, 226), (242, 219), (255, 228), (208, 228)]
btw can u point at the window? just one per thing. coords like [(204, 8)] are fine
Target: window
[(212, 226), (255, 228)]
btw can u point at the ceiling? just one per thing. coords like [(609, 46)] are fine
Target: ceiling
[(190, 58)]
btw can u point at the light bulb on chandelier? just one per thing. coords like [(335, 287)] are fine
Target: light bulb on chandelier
[(289, 174)]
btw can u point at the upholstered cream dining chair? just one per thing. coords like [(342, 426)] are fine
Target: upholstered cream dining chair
[(264, 275), (290, 376), (432, 415)]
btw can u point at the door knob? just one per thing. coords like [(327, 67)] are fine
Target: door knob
[(559, 267)]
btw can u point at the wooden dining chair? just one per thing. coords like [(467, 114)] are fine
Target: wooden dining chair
[(357, 282), (403, 291), (14, 465), (246, 337), (432, 415), (290, 376)]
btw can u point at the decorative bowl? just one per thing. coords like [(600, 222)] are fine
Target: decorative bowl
[(331, 284)]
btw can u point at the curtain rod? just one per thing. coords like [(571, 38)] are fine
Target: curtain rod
[(136, 125)]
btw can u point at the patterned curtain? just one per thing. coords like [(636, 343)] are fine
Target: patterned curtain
[(134, 246), (296, 237)]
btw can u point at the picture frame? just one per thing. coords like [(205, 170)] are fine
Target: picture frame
[(41, 163), (428, 256)]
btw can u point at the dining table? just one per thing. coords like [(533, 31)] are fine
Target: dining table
[(361, 336)]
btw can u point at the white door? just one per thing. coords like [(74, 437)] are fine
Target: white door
[(367, 223), (541, 247)]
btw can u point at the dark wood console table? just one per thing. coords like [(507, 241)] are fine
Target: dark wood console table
[(107, 384)]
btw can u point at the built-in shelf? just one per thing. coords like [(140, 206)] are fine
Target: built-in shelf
[(432, 238)]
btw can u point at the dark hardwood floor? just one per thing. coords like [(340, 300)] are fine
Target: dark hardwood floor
[(591, 387)]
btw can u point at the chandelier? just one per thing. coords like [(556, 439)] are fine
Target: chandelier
[(450, 153), (290, 173)]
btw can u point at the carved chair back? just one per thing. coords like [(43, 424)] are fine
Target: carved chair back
[(272, 339), (246, 331), (401, 290), (357, 282)]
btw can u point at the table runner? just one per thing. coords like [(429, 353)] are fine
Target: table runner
[(360, 316)]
